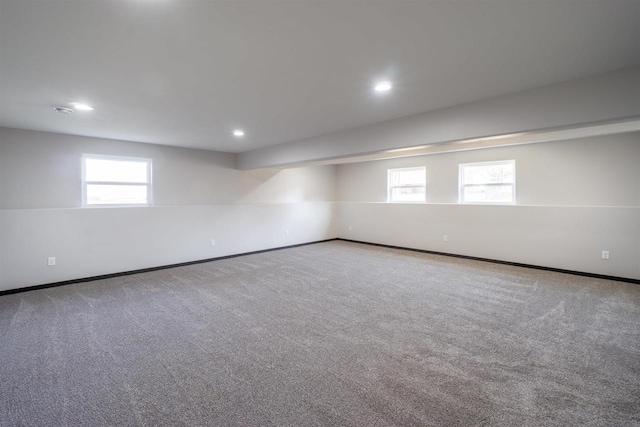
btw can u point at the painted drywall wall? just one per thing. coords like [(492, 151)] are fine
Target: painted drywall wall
[(198, 196), (575, 199), (599, 171), (42, 170), (606, 97)]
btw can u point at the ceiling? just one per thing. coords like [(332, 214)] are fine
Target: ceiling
[(187, 73)]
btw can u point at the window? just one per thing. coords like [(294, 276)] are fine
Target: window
[(115, 181), (407, 185), (488, 182)]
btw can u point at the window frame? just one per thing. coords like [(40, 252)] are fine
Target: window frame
[(84, 181), (390, 187), (462, 186)]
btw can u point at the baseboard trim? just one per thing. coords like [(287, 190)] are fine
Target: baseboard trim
[(201, 261), (146, 270), (496, 261)]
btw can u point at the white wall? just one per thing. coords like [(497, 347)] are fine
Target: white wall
[(575, 198), (198, 196)]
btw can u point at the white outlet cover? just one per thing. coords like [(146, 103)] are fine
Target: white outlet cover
[(51, 261), (213, 242), (605, 254), (445, 238)]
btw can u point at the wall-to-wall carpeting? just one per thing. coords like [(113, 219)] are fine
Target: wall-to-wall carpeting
[(335, 333)]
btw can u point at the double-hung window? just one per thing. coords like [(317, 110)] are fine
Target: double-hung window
[(407, 185), (488, 182), (115, 181)]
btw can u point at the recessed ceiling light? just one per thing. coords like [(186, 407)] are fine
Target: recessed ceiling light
[(383, 86), (82, 107), (238, 132), (63, 110)]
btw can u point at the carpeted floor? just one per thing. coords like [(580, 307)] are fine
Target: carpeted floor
[(333, 333)]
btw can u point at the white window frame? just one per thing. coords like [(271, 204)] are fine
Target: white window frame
[(462, 186), (149, 183), (390, 187)]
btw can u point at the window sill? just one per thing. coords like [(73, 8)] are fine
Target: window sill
[(115, 206)]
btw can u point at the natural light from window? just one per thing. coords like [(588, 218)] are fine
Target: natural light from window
[(488, 182), (115, 181), (407, 185)]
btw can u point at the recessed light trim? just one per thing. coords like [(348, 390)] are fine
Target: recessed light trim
[(239, 133), (383, 86), (82, 106), (62, 110)]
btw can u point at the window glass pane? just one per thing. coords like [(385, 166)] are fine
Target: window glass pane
[(407, 177), (488, 174), (116, 170), (489, 193), (408, 194), (407, 184), (116, 194)]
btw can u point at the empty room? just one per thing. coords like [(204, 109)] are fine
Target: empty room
[(319, 213)]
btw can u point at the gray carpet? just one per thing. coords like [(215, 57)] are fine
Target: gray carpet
[(334, 333)]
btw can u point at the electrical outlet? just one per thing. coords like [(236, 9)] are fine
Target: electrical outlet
[(213, 242), (350, 228), (286, 232), (51, 261), (605, 254), (445, 238)]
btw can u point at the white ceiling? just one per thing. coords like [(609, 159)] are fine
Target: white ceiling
[(187, 73)]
